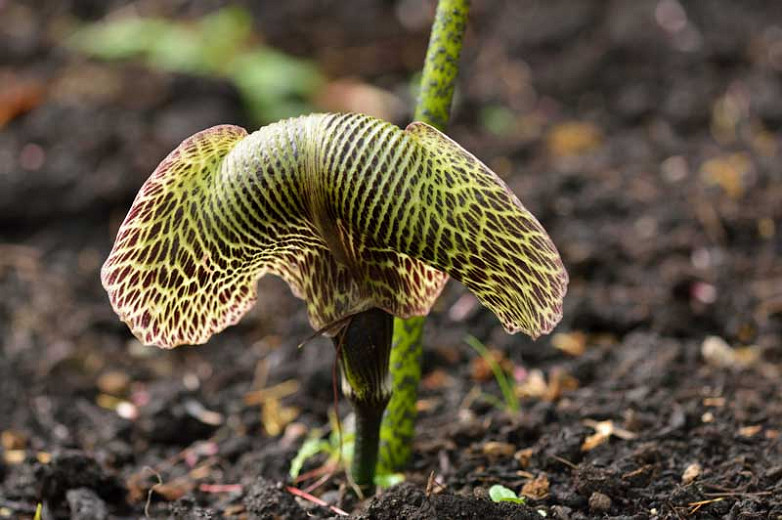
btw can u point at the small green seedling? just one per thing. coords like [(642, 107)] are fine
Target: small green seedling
[(510, 401), (500, 493), (338, 446)]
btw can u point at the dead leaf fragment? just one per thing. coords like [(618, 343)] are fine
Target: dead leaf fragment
[(275, 417), (728, 172), (573, 343), (573, 138), (766, 228), (537, 488), (691, 472), (14, 457), (113, 383), (559, 382), (535, 384), (604, 430), (524, 456), (496, 449), (44, 457), (695, 506), (718, 353), (17, 96), (201, 472), (234, 510), (750, 431), (437, 379), (278, 391), (747, 356), (716, 402), (13, 440)]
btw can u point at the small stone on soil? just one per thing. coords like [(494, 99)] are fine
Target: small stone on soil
[(691, 472), (599, 503), (85, 504)]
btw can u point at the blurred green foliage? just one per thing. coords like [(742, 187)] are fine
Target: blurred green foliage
[(497, 119), (272, 84), (510, 401)]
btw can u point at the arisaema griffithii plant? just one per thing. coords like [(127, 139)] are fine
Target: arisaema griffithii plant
[(363, 220)]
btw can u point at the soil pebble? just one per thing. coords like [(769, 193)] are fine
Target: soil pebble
[(85, 504), (599, 503)]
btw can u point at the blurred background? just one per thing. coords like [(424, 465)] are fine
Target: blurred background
[(644, 135)]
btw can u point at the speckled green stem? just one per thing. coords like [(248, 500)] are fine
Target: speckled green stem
[(433, 107), (442, 63), (398, 427)]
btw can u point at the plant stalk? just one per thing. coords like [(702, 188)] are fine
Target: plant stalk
[(442, 63), (434, 106), (364, 348)]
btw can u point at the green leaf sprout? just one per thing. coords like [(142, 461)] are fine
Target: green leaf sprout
[(510, 400), (499, 493)]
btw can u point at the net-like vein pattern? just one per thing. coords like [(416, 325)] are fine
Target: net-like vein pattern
[(352, 212)]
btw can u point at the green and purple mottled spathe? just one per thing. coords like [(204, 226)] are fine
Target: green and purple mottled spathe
[(352, 212)]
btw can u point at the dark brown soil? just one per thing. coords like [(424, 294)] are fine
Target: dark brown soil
[(646, 137)]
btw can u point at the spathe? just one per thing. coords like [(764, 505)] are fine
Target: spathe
[(352, 212)]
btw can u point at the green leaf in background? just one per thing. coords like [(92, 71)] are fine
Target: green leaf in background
[(500, 493), (119, 39), (510, 400), (225, 34), (178, 50), (497, 119), (273, 85)]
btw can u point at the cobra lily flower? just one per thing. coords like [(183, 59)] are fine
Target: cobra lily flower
[(355, 214)]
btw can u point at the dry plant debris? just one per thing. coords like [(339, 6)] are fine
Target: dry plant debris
[(604, 430)]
